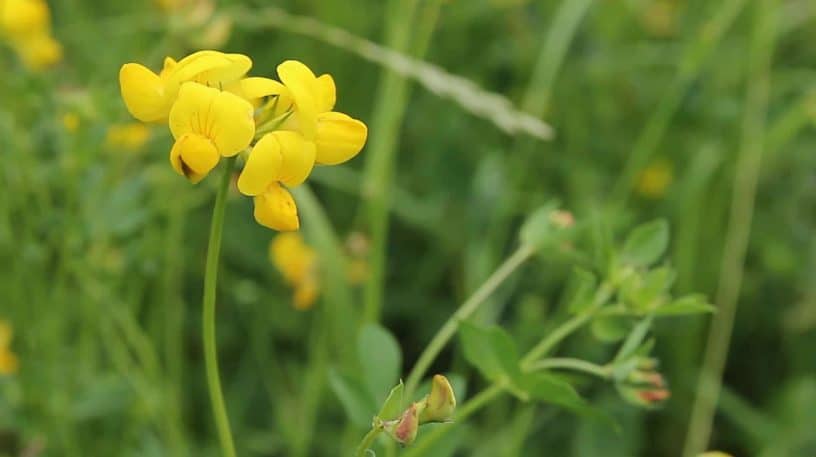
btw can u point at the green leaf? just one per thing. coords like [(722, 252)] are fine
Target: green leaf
[(551, 389), (646, 244), (394, 404), (380, 359), (490, 350), (689, 304), (354, 397), (610, 328), (581, 290)]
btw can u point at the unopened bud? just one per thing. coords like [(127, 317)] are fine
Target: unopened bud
[(562, 219), (654, 396), (404, 429), (440, 403)]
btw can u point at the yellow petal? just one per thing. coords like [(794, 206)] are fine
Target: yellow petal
[(191, 109), (24, 17), (328, 93), (276, 209), (211, 68), (292, 257), (169, 67), (306, 294), (298, 157), (193, 157), (262, 167), (257, 87), (40, 51), (233, 126), (143, 92), (303, 85), (339, 138)]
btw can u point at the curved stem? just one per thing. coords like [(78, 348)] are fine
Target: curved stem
[(568, 363), (208, 316), (367, 441), (565, 329), (444, 334)]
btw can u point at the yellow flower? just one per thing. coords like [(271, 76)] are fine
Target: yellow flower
[(70, 121), (654, 180), (130, 137), (298, 264), (207, 124), (150, 96), (337, 136), (19, 18), (8, 361), (27, 26)]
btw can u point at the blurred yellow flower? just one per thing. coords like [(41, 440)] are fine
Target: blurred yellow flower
[(655, 179), (70, 121), (129, 137), (298, 264), (659, 17), (149, 96), (8, 361), (207, 124), (26, 24)]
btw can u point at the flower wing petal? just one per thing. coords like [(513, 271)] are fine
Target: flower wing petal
[(262, 167), (298, 157), (339, 138), (143, 92)]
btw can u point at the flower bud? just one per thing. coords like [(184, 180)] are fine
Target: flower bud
[(440, 403), (404, 429)]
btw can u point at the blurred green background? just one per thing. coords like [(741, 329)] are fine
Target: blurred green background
[(102, 246)]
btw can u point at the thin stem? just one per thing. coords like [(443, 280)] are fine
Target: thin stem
[(367, 441), (565, 329), (466, 410), (447, 331), (739, 228), (568, 363), (208, 317)]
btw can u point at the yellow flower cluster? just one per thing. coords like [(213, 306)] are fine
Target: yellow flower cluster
[(8, 361), (214, 110), (298, 263), (26, 25)]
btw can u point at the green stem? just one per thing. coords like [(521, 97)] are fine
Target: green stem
[(565, 329), (208, 317), (367, 441), (568, 363), (739, 228), (447, 331)]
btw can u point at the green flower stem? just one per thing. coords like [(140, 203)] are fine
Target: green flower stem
[(470, 407), (568, 327), (571, 364), (522, 254), (208, 317), (738, 234), (367, 441)]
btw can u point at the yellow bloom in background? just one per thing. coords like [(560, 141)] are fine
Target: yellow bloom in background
[(298, 264), (207, 124), (26, 24), (150, 96), (129, 137), (8, 361), (655, 179), (70, 121)]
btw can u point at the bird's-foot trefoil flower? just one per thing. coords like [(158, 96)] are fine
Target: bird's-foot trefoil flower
[(282, 129)]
